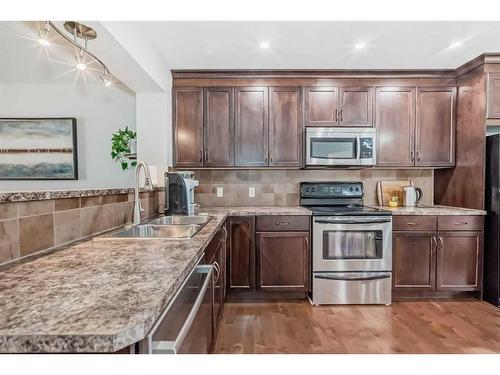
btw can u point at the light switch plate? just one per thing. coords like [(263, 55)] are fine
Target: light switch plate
[(220, 192), (251, 192)]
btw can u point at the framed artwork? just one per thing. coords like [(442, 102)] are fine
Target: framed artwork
[(38, 149)]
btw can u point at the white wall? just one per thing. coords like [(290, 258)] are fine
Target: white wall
[(154, 142), (100, 111)]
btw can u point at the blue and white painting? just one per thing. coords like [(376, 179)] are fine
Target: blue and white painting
[(38, 149)]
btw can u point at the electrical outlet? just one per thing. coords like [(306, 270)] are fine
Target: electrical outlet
[(251, 192), (220, 192)]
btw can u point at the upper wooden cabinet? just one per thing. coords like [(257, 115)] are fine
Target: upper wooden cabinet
[(251, 130), (395, 123), (435, 126), (415, 126), (187, 116), (334, 106), (219, 129), (285, 128), (356, 106), (321, 106), (493, 96)]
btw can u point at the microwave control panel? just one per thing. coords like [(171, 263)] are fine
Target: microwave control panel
[(366, 151)]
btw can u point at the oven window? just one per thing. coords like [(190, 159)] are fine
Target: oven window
[(352, 244), (333, 148)]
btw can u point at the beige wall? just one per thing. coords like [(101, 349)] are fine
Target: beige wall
[(280, 187)]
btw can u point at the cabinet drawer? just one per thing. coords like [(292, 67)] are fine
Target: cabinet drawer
[(460, 223), (416, 222), (282, 223)]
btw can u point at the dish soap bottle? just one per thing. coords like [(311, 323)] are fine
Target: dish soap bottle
[(394, 201)]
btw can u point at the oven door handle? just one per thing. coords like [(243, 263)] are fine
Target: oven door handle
[(353, 277), (350, 221)]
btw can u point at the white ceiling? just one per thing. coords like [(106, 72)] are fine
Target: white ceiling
[(235, 45), (24, 60), (328, 45)]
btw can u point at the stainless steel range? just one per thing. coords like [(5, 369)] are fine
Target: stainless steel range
[(351, 245)]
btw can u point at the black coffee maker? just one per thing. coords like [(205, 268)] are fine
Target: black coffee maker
[(179, 193)]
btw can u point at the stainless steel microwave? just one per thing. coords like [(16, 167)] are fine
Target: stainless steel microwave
[(340, 146)]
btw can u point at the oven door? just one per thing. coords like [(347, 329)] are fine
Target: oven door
[(352, 243), (324, 147)]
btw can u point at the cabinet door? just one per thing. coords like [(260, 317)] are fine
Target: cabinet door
[(321, 106), (459, 266), (285, 128), (493, 96), (414, 260), (251, 126), (395, 123), (218, 286), (219, 120), (435, 127), (283, 260), (188, 126), (241, 254), (356, 106)]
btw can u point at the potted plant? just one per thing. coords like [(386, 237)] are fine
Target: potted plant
[(123, 148)]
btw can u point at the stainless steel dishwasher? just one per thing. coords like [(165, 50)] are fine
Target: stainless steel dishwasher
[(185, 326)]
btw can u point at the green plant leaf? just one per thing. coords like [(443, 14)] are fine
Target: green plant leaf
[(124, 165), (134, 163)]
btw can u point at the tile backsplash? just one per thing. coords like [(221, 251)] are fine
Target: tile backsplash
[(32, 226), (281, 187)]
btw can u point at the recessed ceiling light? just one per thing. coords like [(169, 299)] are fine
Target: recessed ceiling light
[(264, 45), (456, 44), (360, 45), (44, 42), (81, 66)]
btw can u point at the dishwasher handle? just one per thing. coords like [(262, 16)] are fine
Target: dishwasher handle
[(172, 347)]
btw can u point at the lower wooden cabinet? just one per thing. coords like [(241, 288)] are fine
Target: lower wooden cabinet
[(241, 254), (459, 261), (215, 254), (414, 261), (283, 261), (276, 258), (439, 261)]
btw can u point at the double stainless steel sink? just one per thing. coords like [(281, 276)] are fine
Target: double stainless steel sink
[(166, 227)]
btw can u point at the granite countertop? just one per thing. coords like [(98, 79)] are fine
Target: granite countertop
[(432, 210), (101, 295), (26, 196)]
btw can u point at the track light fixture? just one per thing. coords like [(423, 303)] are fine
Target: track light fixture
[(80, 36)]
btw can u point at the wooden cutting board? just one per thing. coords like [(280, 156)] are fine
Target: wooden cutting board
[(386, 189)]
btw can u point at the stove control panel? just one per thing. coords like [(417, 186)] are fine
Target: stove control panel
[(331, 189)]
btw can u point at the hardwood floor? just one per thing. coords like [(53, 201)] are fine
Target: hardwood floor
[(405, 327)]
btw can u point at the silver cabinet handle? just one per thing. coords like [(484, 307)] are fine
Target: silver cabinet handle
[(413, 223), (341, 115), (201, 156), (282, 223), (225, 233), (441, 241), (418, 155), (206, 154), (307, 242), (434, 243), (217, 269), (412, 155), (462, 223), (336, 115)]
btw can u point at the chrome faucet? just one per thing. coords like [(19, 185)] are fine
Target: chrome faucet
[(148, 185)]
